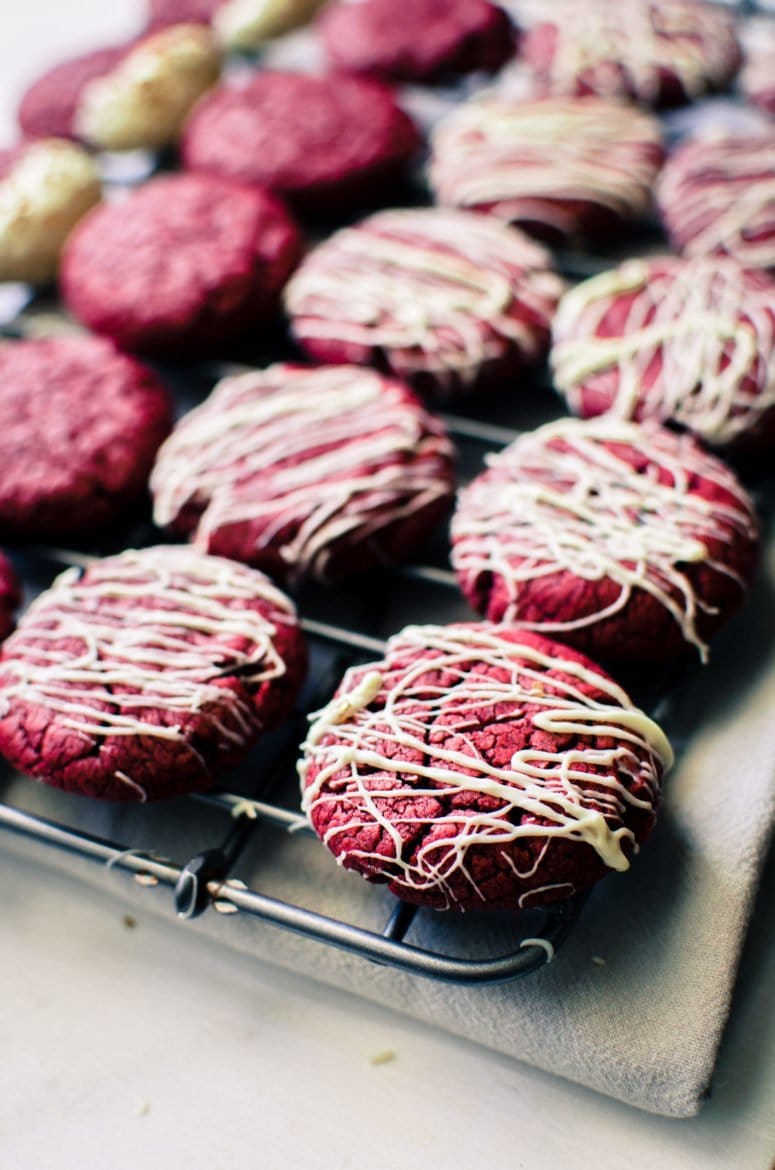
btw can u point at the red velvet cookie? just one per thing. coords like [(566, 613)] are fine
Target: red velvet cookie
[(684, 341), (306, 472), (717, 197), (147, 675), (80, 425), (163, 13), (46, 187), (448, 300), (627, 541), (757, 77), (421, 41), (10, 595), (659, 52), (562, 169), (322, 142), (180, 266), (128, 97), (482, 767)]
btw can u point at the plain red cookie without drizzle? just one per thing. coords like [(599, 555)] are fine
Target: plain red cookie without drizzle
[(80, 425), (181, 265), (306, 473), (625, 540), (321, 142), (423, 41), (685, 341), (482, 767), (447, 300), (147, 675)]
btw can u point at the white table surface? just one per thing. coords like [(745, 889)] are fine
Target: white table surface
[(143, 1045)]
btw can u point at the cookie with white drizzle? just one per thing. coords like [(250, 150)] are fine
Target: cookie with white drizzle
[(658, 52), (716, 197), (482, 767), (449, 301), (625, 540), (688, 341), (128, 97), (562, 169), (757, 77), (148, 674), (306, 473)]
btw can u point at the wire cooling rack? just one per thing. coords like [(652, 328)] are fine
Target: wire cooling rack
[(206, 882)]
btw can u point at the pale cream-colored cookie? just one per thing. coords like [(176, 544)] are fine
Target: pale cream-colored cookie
[(45, 189), (247, 23), (143, 102)]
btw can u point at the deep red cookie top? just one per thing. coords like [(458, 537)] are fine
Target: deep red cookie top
[(432, 292), (166, 12), (625, 538), (305, 471), (418, 41), (145, 674), (80, 424), (717, 197), (545, 162), (660, 52), (180, 262), (10, 595), (686, 341), (481, 766), (298, 134)]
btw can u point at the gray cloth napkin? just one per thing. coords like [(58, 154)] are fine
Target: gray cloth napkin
[(635, 1002)]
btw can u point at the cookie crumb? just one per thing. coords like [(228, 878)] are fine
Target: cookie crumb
[(387, 1056), (129, 922)]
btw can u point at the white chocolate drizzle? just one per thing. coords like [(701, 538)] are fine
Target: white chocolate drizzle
[(436, 290), (530, 160), (143, 102), (377, 750), (320, 455), (615, 49), (560, 500), (717, 197), (705, 321), (48, 189), (105, 665)]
